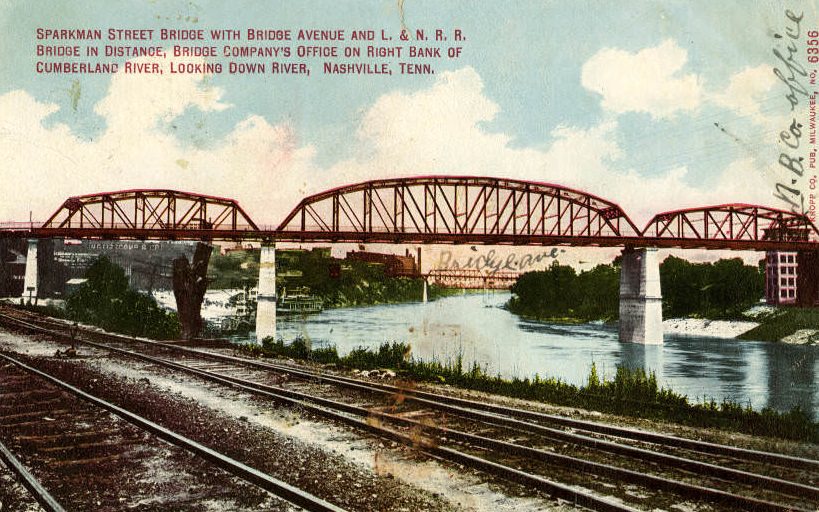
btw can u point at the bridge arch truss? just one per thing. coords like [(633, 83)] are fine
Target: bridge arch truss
[(458, 209)]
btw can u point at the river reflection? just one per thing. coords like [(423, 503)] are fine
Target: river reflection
[(476, 327)]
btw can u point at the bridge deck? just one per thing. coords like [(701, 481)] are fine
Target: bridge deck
[(408, 238)]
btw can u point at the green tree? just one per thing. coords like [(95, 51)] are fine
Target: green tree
[(106, 300), (713, 290), (559, 292)]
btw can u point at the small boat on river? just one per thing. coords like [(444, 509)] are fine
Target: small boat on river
[(298, 302)]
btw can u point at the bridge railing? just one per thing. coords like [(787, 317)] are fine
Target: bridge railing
[(121, 226), (20, 226)]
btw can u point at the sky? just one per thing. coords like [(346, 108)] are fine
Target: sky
[(653, 105)]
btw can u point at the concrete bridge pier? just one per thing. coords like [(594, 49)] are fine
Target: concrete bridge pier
[(266, 305), (30, 280), (425, 297), (641, 313)]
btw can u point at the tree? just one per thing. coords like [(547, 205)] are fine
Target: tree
[(106, 300), (190, 282), (559, 292), (713, 290)]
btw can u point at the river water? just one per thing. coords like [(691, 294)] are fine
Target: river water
[(476, 326)]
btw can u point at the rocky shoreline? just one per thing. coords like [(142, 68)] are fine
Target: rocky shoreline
[(706, 327)]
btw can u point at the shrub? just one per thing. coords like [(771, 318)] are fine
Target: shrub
[(106, 301)]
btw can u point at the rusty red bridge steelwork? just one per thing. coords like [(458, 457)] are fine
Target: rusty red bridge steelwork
[(444, 210), (429, 209), (472, 279)]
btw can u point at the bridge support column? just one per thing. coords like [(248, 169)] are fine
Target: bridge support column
[(266, 298), (425, 297), (641, 314), (31, 276)]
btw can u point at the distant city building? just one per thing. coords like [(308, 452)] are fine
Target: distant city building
[(394, 265), (62, 262), (781, 277), (72, 285), (148, 264)]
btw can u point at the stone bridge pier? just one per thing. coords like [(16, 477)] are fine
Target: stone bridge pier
[(30, 279), (266, 298), (641, 300)]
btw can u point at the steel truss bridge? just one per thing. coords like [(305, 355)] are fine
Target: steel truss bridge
[(424, 210), (472, 279)]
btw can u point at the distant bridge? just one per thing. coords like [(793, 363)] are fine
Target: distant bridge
[(426, 210), (472, 279)]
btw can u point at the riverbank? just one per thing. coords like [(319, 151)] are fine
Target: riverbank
[(706, 327), (684, 326), (220, 305), (795, 326), (630, 392), (373, 292), (789, 325)]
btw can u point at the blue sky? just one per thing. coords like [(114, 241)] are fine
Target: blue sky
[(629, 100)]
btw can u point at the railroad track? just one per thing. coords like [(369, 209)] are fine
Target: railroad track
[(80, 444), (38, 493), (517, 444)]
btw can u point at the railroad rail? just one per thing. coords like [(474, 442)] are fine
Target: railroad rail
[(515, 433), (29, 481), (31, 421)]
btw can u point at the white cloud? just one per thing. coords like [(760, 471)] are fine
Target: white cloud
[(648, 81), (437, 130), (748, 92), (44, 165), (138, 103), (442, 130)]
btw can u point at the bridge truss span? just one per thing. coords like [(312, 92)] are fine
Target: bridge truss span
[(149, 213), (731, 226), (472, 278), (458, 209)]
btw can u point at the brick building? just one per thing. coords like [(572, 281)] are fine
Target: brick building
[(781, 278), (394, 265)]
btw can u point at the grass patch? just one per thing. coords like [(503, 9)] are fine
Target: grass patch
[(783, 323), (631, 392)]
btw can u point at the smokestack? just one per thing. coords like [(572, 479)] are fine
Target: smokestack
[(419, 260)]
